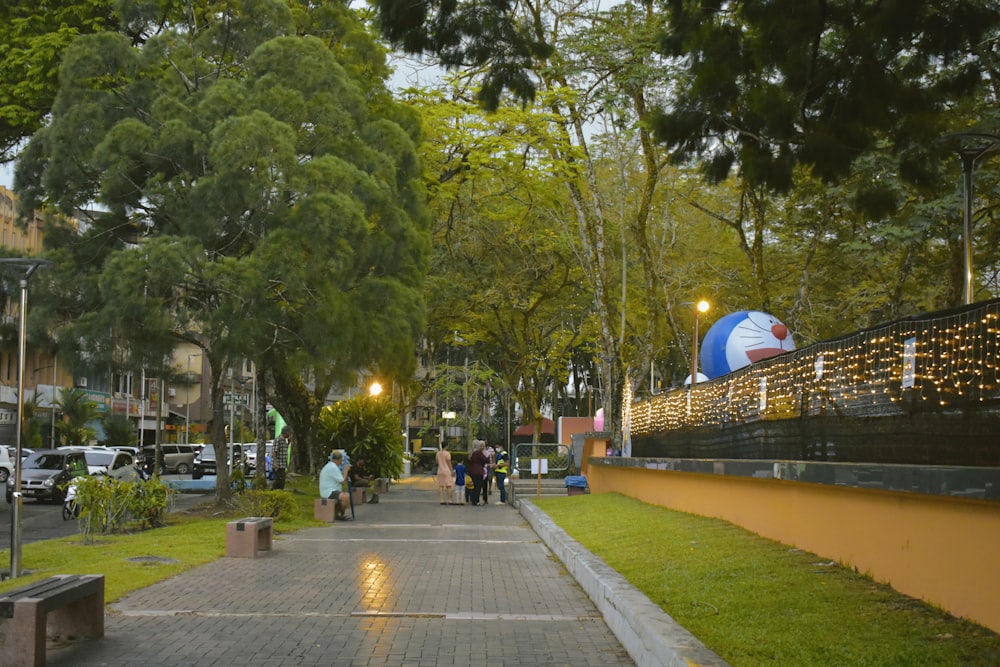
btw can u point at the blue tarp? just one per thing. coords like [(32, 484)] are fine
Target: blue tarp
[(576, 480)]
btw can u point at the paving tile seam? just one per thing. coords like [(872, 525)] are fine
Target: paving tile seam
[(448, 616), (407, 540), (424, 526)]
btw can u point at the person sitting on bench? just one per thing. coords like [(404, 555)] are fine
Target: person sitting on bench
[(331, 485), (358, 477)]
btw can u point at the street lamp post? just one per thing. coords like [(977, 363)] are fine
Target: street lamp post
[(375, 390), (232, 412), (700, 307), (971, 146), (187, 400), (447, 416), (23, 268)]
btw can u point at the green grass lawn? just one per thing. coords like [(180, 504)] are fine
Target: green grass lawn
[(758, 602)]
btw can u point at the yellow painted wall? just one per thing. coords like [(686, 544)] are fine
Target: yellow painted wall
[(943, 550)]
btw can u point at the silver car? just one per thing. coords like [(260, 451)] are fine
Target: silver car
[(46, 472)]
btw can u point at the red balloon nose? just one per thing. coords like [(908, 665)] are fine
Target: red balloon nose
[(780, 331)]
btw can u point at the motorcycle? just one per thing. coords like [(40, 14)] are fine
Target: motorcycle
[(70, 508)]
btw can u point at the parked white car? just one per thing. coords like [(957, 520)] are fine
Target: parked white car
[(6, 464), (111, 462)]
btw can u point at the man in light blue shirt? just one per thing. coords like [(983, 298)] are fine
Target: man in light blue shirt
[(331, 484)]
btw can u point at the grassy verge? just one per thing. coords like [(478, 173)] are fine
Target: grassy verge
[(758, 602), (136, 560)]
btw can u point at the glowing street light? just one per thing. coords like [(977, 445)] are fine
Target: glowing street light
[(374, 389), (700, 307)]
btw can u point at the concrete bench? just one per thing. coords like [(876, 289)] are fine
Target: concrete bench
[(66, 605), (382, 485), (246, 537), (325, 509)]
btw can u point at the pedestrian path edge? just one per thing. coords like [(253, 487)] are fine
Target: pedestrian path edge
[(651, 637)]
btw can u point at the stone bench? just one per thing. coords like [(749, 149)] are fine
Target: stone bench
[(246, 537), (325, 509), (66, 605)]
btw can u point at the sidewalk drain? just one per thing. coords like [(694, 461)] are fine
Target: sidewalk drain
[(152, 559)]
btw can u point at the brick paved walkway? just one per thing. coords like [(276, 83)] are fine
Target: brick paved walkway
[(409, 583)]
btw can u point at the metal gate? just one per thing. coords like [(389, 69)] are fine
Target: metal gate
[(559, 460)]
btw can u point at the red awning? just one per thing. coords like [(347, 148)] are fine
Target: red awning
[(548, 426)]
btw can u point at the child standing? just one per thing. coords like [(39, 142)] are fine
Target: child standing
[(460, 483)]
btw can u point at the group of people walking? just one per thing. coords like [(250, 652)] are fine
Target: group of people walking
[(470, 483)]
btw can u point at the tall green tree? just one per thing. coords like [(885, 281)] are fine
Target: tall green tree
[(119, 430), (506, 281), (258, 201), (79, 413)]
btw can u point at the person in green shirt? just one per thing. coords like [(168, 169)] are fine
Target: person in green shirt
[(500, 469)]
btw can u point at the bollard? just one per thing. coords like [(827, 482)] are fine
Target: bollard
[(15, 535)]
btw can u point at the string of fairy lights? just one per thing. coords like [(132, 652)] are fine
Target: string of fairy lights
[(939, 362)]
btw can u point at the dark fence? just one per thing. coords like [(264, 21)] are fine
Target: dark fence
[(918, 390)]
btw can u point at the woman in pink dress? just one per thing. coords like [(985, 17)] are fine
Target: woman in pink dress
[(445, 475)]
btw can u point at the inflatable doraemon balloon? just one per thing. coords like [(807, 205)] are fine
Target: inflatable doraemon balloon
[(740, 339)]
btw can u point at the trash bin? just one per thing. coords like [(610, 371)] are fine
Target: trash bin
[(576, 485)]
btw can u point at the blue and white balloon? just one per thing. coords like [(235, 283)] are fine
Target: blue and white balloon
[(740, 339)]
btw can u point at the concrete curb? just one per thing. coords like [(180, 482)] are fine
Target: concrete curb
[(651, 637), (203, 485)]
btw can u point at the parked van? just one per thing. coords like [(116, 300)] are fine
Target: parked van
[(176, 458)]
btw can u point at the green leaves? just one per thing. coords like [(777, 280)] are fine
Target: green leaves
[(366, 428), (816, 83), (78, 412), (256, 198), (469, 34)]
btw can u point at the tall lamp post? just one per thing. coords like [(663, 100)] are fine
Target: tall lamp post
[(187, 400), (447, 416), (374, 390), (23, 268), (700, 307), (970, 146)]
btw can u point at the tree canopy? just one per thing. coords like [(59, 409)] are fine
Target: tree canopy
[(32, 41), (771, 85), (254, 197)]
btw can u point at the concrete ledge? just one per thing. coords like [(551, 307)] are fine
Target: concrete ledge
[(203, 485), (651, 637)]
